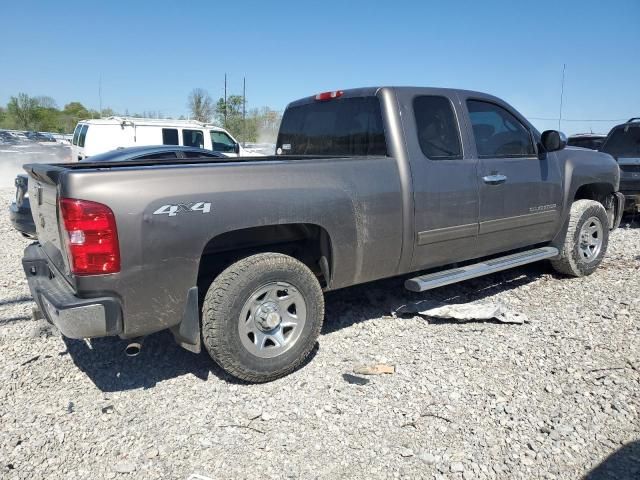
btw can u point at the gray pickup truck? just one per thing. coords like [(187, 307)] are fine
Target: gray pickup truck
[(365, 184)]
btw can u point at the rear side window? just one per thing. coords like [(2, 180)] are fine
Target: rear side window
[(623, 142), (170, 136), (200, 155), (222, 142), (193, 138), (347, 126), (83, 135), (160, 155), (498, 133), (76, 134), (438, 132)]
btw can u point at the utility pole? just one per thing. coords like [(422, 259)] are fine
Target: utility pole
[(225, 101), (100, 94), (244, 103), (564, 66)]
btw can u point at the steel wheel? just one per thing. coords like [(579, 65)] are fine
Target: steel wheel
[(272, 319), (591, 238)]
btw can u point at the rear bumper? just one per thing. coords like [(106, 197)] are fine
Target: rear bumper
[(21, 218), (75, 317)]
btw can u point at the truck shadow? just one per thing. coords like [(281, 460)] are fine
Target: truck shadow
[(346, 307), (104, 362), (623, 464)]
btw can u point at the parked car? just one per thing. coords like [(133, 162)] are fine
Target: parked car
[(40, 137), (20, 208), (623, 143), (93, 137), (7, 139), (592, 141), (366, 184)]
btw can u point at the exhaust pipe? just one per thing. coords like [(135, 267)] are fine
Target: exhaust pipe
[(134, 348)]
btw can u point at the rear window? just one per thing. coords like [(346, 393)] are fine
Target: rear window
[(83, 135), (193, 138), (348, 126), (170, 136), (623, 142)]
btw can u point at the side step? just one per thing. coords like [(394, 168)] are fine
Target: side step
[(454, 275)]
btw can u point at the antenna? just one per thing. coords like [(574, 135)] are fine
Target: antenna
[(225, 102), (564, 66)]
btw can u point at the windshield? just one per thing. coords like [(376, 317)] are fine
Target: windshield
[(623, 142), (349, 126)]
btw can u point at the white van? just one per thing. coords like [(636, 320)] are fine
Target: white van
[(92, 137)]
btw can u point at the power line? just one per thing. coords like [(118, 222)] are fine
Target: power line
[(551, 119)]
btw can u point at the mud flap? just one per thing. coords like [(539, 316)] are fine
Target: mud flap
[(187, 332)]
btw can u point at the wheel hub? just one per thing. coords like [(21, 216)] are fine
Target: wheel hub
[(268, 316)]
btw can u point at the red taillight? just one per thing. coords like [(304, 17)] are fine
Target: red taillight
[(91, 237), (329, 95)]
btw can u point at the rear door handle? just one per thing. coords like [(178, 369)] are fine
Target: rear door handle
[(496, 179)]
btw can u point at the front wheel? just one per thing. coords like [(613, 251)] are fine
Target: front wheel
[(261, 316), (586, 241)]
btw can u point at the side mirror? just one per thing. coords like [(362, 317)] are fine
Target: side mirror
[(236, 149), (553, 140)]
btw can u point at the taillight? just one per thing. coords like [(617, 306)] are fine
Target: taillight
[(91, 237), (329, 95)]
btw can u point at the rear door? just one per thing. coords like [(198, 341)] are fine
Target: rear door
[(520, 190), (444, 178)]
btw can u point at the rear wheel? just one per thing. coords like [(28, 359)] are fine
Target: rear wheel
[(262, 316), (586, 241)]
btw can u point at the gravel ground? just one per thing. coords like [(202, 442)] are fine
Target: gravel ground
[(552, 398)]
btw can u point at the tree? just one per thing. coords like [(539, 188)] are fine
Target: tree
[(200, 105), (23, 109)]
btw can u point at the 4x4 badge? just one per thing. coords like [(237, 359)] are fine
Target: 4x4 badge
[(173, 210)]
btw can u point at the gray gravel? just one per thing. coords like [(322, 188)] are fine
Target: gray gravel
[(551, 398)]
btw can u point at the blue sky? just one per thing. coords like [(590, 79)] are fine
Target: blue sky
[(150, 55)]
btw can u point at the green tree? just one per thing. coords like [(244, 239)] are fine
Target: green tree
[(23, 109), (229, 115)]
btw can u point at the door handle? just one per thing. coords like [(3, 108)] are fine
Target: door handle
[(495, 179)]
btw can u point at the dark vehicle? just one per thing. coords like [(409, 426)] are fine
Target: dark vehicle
[(7, 139), (39, 137), (592, 141), (366, 184), (20, 209), (623, 143)]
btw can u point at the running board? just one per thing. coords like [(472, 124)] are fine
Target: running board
[(454, 275)]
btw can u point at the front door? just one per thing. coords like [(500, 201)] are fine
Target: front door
[(520, 190)]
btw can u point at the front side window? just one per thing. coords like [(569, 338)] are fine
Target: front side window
[(193, 138), (83, 135), (345, 126), (623, 142), (497, 132), (170, 136), (76, 134), (438, 132), (222, 142)]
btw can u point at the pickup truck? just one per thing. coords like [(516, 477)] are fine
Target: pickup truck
[(365, 184)]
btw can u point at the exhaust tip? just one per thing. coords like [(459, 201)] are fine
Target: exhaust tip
[(133, 349)]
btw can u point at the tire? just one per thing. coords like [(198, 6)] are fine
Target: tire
[(261, 317), (575, 259)]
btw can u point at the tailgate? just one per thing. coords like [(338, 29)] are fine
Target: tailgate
[(43, 196)]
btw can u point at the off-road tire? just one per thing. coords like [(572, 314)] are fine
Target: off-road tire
[(224, 302), (570, 261)]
